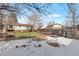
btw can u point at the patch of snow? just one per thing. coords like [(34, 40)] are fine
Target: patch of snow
[(64, 41), (59, 40)]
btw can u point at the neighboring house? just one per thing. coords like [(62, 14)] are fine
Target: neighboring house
[(22, 27), (55, 26), (6, 26), (56, 29), (8, 21), (9, 18)]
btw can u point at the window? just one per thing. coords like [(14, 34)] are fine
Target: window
[(10, 26), (1, 25)]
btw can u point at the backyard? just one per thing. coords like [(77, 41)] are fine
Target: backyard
[(39, 29), (21, 35)]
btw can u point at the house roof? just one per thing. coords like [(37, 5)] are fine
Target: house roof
[(20, 24), (55, 26)]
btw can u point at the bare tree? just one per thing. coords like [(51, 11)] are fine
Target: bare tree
[(1, 16), (19, 7), (39, 7), (50, 23), (72, 16), (35, 20)]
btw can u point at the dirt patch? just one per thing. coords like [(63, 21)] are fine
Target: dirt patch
[(54, 44), (39, 45), (21, 46), (41, 37)]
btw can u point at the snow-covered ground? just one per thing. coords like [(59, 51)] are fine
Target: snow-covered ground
[(29, 47), (59, 40)]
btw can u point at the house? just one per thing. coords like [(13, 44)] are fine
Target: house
[(56, 29), (55, 26), (7, 26), (22, 27), (7, 22)]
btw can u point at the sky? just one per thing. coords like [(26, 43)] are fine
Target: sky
[(57, 15)]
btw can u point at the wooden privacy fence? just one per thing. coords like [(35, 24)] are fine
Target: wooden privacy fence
[(70, 33)]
